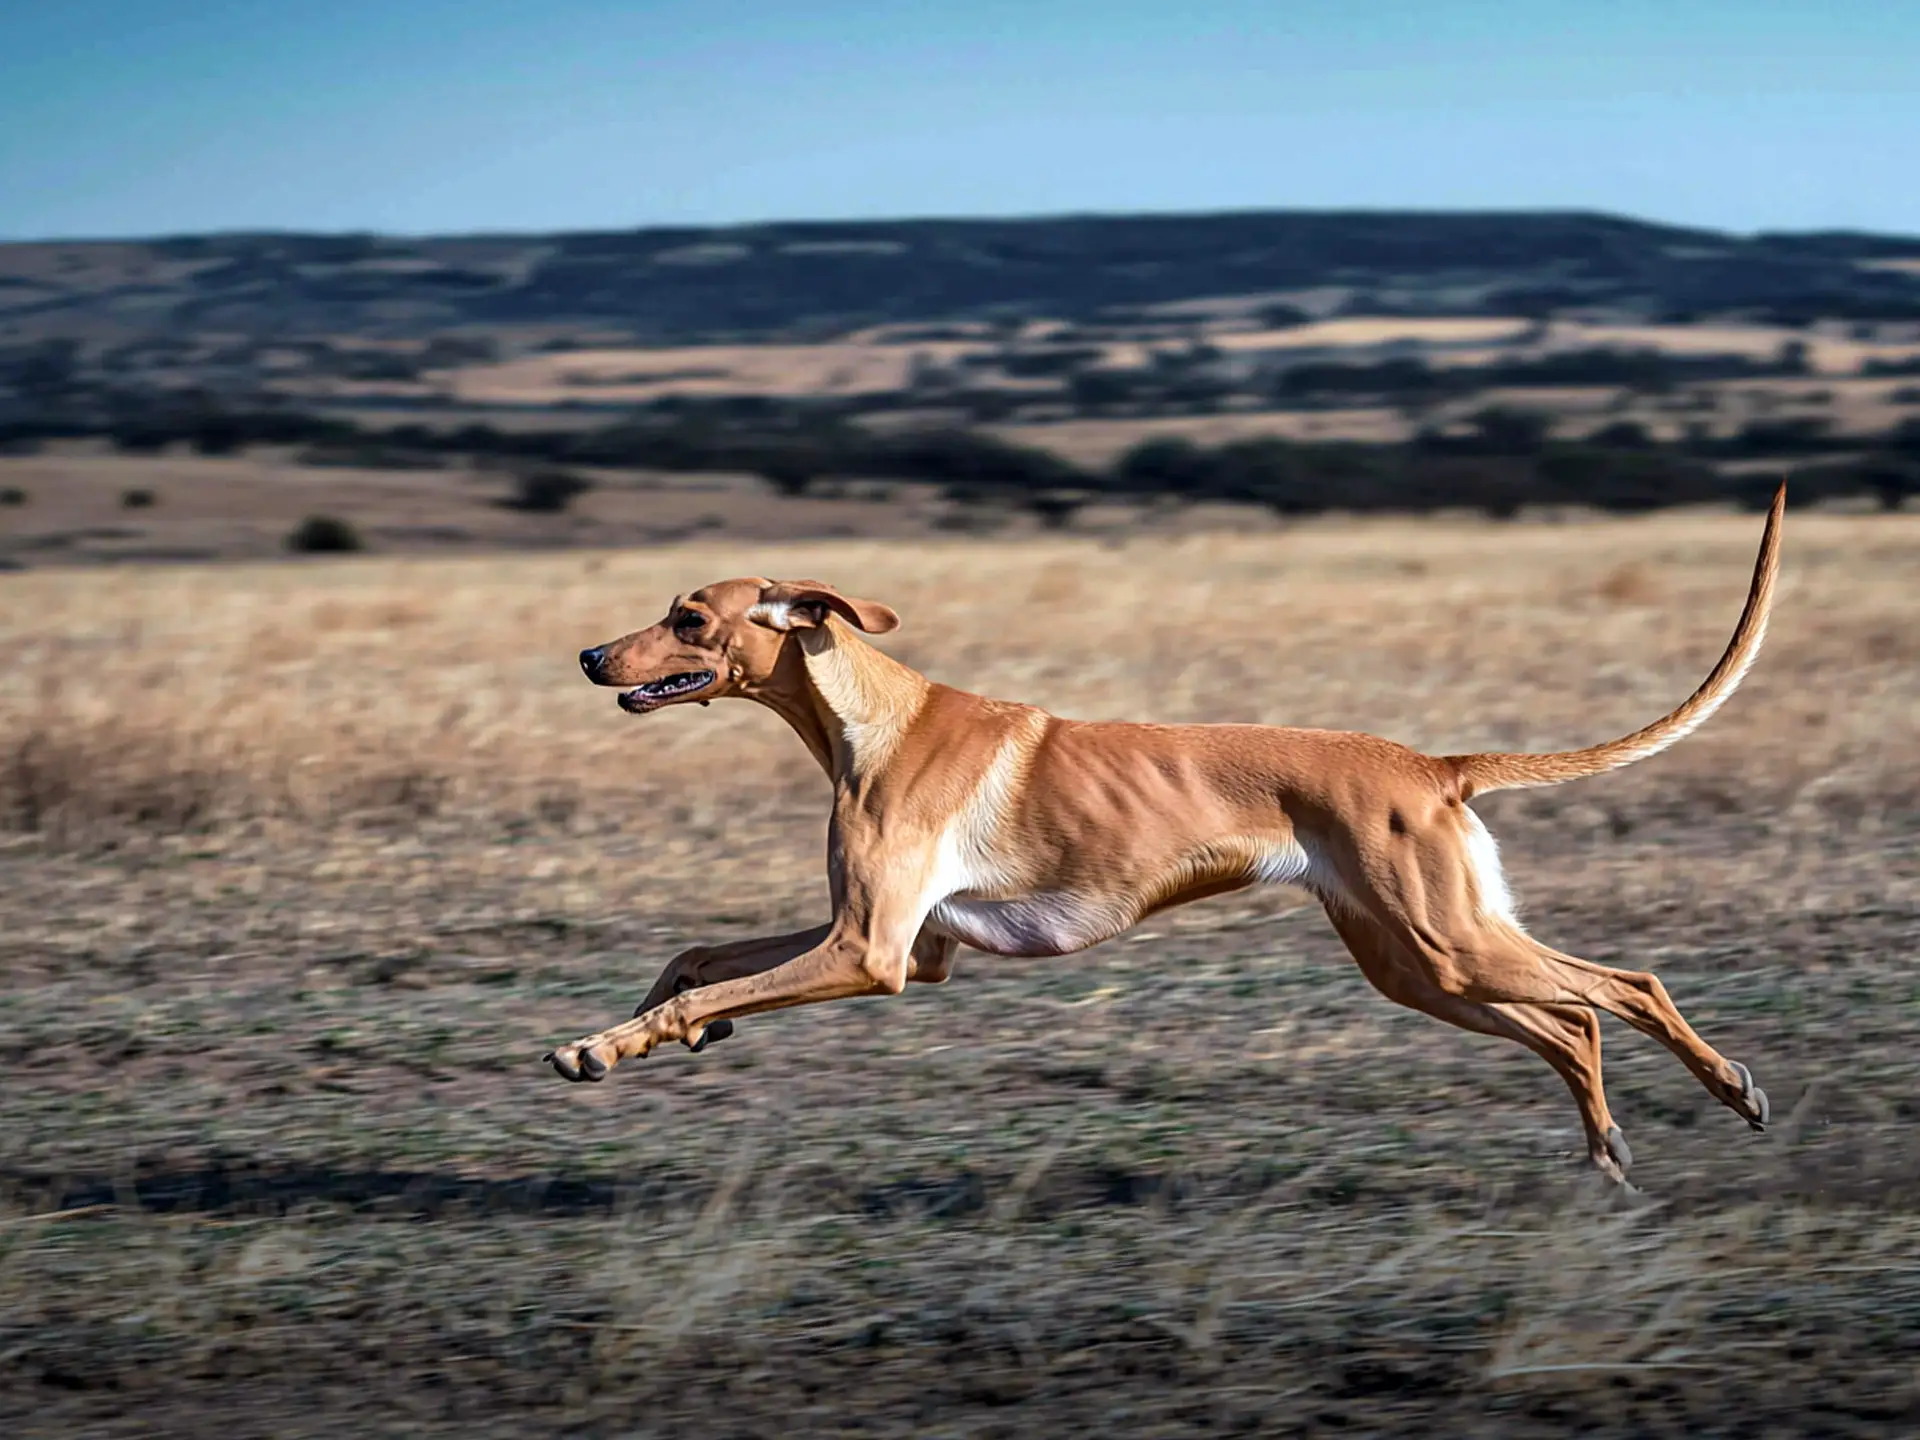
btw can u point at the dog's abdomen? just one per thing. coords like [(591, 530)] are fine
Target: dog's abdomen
[(1031, 926)]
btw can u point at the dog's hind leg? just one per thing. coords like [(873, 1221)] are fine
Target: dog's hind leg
[(1503, 963), (1567, 1037), (1435, 887)]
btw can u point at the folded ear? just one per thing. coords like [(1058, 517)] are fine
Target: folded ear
[(804, 605)]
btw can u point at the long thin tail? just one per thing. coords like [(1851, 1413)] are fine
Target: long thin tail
[(1481, 773)]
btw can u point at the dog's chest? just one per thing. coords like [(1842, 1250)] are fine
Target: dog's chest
[(986, 897)]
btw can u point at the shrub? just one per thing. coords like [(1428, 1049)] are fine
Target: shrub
[(218, 435), (1393, 379), (1623, 481), (138, 499), (141, 436), (1281, 316), (1621, 435), (1889, 480), (1801, 435), (1508, 430), (1055, 509), (968, 458), (367, 455), (1265, 471), (324, 535), (1168, 464), (788, 474), (1101, 388), (1048, 363), (1886, 477), (1498, 494), (13, 495), (546, 492)]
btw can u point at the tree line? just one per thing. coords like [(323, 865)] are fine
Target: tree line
[(1503, 460)]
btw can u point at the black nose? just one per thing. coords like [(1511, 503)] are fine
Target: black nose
[(591, 661)]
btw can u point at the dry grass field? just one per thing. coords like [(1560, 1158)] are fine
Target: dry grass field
[(303, 866)]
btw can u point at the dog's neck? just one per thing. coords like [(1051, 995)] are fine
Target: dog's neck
[(848, 702)]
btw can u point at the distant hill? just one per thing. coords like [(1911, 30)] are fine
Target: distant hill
[(801, 279)]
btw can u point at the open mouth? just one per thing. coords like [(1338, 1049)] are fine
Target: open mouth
[(655, 693)]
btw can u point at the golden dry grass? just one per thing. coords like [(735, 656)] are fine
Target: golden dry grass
[(305, 865), (843, 368), (289, 687)]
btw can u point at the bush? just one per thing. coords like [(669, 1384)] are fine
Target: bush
[(1048, 363), (1167, 465), (1621, 435), (1623, 481), (788, 474), (142, 436), (1498, 494), (13, 495), (367, 455), (1102, 388), (546, 492), (1266, 472), (966, 457), (324, 535), (1801, 435), (1905, 437), (1889, 480), (138, 499), (1886, 477), (1281, 316), (218, 435), (1055, 509), (1507, 430), (1389, 379)]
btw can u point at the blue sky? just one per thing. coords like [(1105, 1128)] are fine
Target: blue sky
[(140, 117)]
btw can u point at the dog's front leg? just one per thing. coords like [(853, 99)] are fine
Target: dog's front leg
[(710, 964), (866, 950)]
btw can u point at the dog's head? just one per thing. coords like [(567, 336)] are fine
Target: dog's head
[(724, 639)]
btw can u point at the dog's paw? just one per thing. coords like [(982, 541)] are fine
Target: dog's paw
[(578, 1062), (1618, 1148), (1752, 1106)]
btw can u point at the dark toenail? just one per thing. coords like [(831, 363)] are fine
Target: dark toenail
[(1618, 1148)]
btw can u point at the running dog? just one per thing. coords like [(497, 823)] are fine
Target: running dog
[(959, 819)]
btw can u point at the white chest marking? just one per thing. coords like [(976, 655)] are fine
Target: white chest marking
[(968, 854)]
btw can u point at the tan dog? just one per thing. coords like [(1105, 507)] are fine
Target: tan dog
[(963, 820)]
